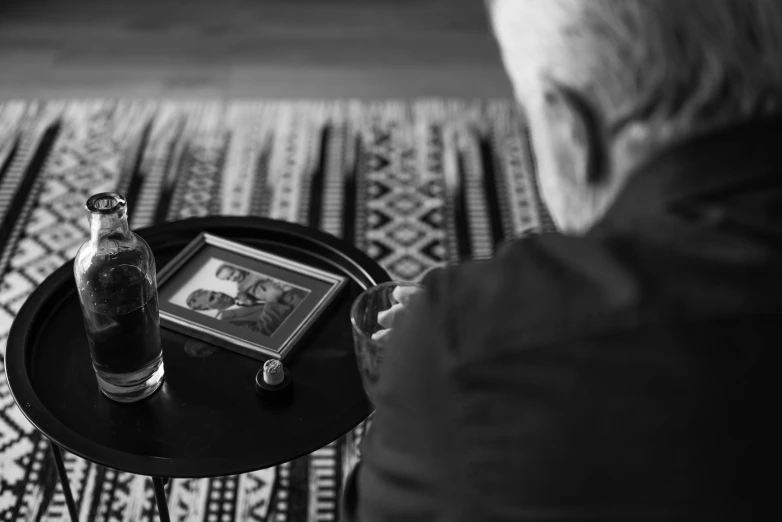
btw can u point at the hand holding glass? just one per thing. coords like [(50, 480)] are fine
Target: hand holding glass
[(375, 314)]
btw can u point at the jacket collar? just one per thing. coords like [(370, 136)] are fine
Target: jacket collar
[(715, 168)]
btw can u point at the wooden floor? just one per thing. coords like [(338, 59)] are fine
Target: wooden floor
[(248, 48)]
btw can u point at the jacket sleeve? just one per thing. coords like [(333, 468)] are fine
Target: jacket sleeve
[(272, 317), (245, 313), (404, 461)]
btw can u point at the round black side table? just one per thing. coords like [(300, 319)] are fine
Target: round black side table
[(205, 420)]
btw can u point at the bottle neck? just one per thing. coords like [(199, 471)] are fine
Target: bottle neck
[(114, 224)]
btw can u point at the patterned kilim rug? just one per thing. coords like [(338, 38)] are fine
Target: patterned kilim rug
[(413, 185)]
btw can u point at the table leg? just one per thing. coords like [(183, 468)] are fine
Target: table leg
[(66, 487), (160, 495)]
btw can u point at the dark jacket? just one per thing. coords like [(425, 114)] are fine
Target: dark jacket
[(263, 318), (623, 375)]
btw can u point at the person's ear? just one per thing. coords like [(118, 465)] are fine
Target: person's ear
[(581, 127)]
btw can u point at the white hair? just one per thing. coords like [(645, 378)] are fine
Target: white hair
[(674, 65)]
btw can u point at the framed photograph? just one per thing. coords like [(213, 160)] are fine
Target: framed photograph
[(243, 299)]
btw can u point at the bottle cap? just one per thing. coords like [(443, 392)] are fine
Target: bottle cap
[(273, 372), (272, 381)]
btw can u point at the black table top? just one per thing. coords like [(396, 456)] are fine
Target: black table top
[(205, 420)]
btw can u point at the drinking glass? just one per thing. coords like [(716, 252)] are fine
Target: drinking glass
[(370, 353)]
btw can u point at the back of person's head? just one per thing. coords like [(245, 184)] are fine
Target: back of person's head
[(608, 83)]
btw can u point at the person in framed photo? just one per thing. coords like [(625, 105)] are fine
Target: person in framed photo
[(260, 317), (255, 288)]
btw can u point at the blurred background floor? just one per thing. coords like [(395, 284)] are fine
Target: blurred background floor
[(248, 48)]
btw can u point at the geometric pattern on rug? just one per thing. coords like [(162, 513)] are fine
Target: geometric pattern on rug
[(414, 185)]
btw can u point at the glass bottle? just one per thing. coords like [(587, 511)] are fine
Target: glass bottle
[(117, 285)]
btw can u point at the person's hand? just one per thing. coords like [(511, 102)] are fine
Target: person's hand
[(244, 301), (389, 319)]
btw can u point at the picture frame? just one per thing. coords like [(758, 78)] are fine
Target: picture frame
[(241, 298)]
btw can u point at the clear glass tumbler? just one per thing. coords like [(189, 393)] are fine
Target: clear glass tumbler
[(370, 352)]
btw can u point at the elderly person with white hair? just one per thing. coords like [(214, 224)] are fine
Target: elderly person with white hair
[(620, 370)]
